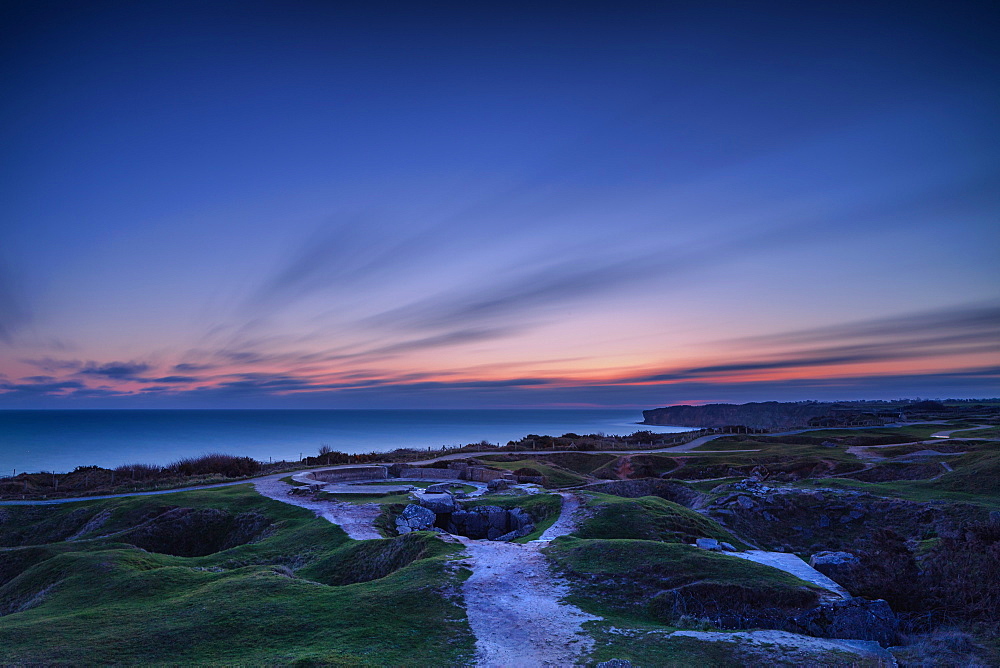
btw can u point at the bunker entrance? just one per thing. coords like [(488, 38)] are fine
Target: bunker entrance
[(478, 522)]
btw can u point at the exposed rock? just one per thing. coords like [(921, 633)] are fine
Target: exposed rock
[(615, 663), (491, 522), (439, 488), (746, 502), (854, 619), (728, 547), (833, 564), (437, 503), (415, 518), (708, 544), (498, 485)]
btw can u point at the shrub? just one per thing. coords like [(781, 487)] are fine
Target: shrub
[(229, 466), (138, 471)]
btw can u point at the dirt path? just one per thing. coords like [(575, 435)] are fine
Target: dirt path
[(569, 516), (513, 604), (355, 519)]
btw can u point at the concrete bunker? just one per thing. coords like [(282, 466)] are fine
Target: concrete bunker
[(439, 510)]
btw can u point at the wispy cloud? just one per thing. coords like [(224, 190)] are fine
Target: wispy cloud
[(14, 312), (116, 370)]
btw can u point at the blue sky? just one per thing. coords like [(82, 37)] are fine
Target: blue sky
[(454, 205)]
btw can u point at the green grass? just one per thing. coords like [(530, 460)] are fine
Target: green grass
[(302, 592), (288, 480), (620, 579), (648, 518), (583, 463), (555, 476), (989, 432)]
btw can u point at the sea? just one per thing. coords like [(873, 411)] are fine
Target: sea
[(61, 440)]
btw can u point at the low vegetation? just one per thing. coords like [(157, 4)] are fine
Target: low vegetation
[(77, 590), (662, 583), (648, 518)]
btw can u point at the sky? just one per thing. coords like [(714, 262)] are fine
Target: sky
[(483, 205)]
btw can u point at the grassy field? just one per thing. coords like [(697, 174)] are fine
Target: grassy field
[(298, 590), (648, 518), (624, 580), (555, 476)]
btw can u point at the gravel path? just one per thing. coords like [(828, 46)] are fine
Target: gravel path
[(513, 604), (355, 519), (569, 516)]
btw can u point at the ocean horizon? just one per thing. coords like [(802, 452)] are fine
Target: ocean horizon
[(61, 440)]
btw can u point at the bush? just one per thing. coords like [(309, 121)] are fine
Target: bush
[(229, 466), (138, 471)]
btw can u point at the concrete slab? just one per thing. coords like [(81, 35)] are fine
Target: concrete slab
[(790, 563)]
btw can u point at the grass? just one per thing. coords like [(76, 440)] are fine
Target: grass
[(623, 579), (974, 480), (288, 480), (989, 432), (302, 592), (648, 518), (555, 476)]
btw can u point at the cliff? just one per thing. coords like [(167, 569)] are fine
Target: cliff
[(770, 415)]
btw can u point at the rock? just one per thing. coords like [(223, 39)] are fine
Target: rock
[(708, 544), (854, 619), (746, 502), (438, 503), (769, 517), (852, 516), (520, 519), (728, 547), (615, 663), (834, 564), (476, 525), (415, 518), (498, 485), (439, 488)]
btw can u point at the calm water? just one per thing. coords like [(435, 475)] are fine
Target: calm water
[(62, 440)]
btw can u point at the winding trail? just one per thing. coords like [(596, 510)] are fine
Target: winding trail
[(569, 517), (514, 601), (357, 520)]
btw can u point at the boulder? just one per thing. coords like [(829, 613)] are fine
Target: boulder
[(437, 503), (498, 485), (415, 518), (746, 502), (834, 564), (439, 488), (615, 663), (708, 544), (497, 517), (520, 519), (853, 619), (728, 547)]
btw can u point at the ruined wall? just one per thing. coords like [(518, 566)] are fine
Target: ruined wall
[(353, 473)]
